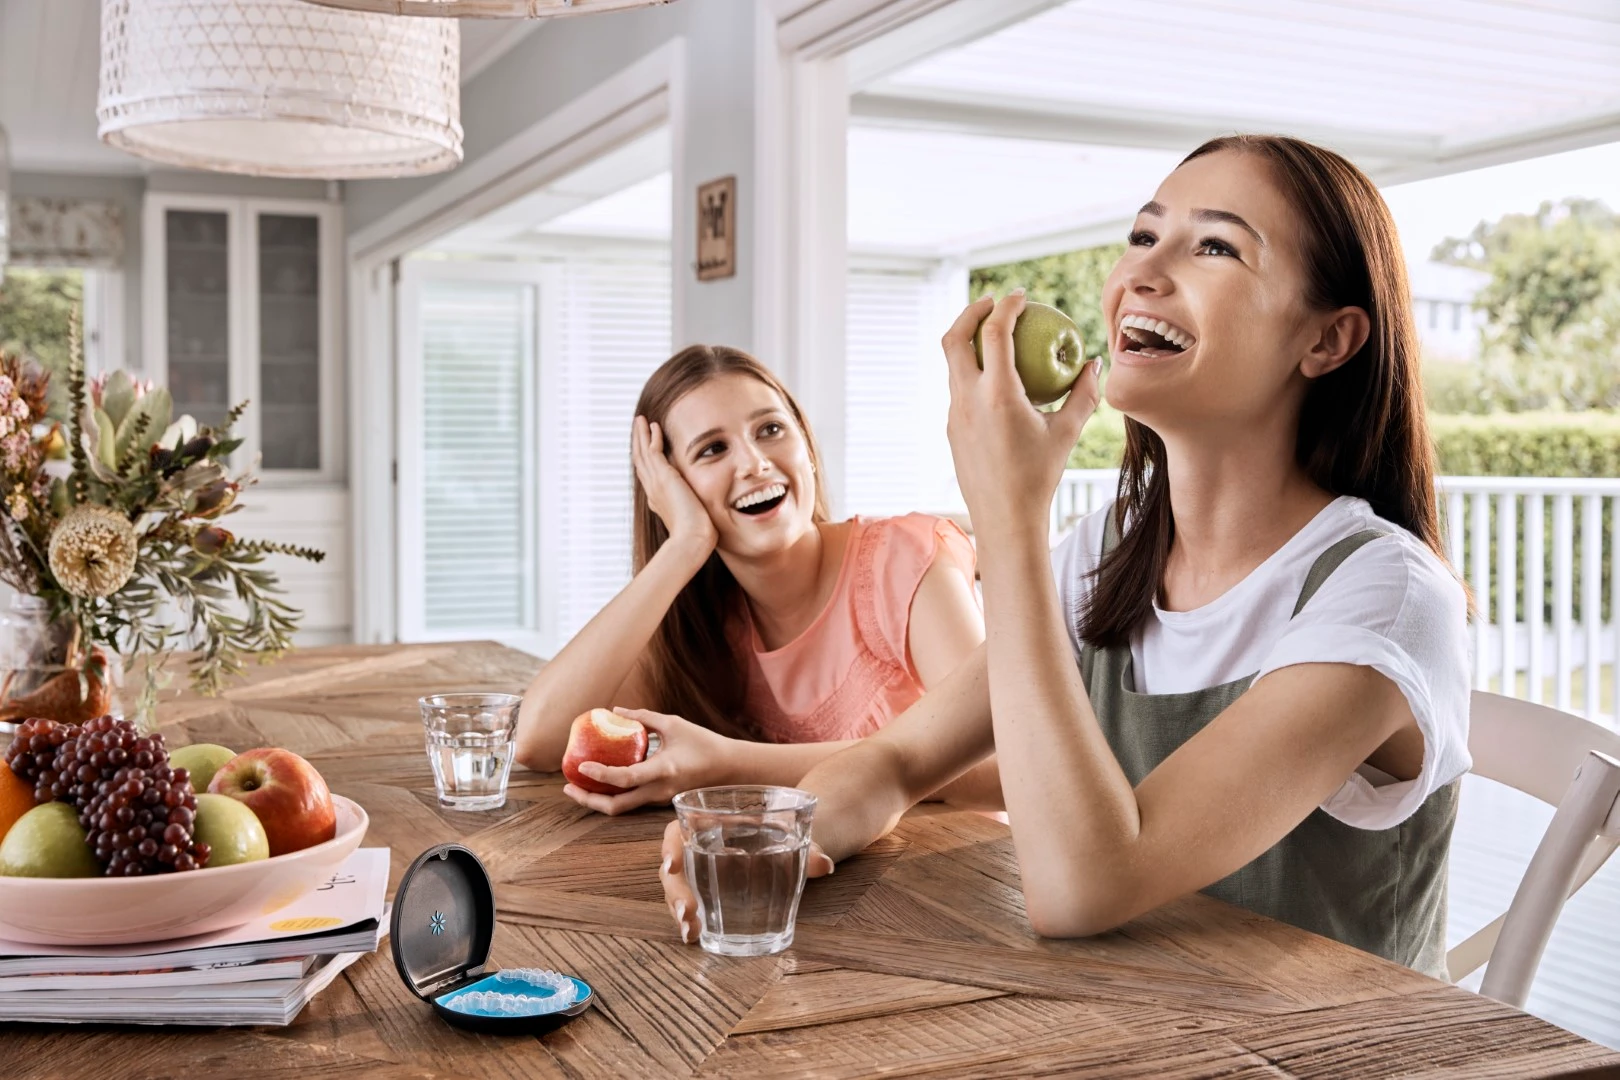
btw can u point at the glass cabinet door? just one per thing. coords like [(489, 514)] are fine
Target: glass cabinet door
[(197, 288), (289, 300)]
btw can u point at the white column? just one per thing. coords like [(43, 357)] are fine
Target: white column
[(749, 108), (950, 294), (800, 244), (712, 128)]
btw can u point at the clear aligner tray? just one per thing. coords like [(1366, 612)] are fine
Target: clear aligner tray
[(516, 992)]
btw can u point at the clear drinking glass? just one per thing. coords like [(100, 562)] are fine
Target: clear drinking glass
[(469, 743), (746, 851)]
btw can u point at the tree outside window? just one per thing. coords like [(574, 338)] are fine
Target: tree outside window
[(36, 309)]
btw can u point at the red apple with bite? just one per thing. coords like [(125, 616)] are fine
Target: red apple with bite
[(290, 799), (606, 738)]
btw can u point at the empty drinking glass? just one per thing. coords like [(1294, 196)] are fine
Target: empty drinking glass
[(746, 851), (469, 743)]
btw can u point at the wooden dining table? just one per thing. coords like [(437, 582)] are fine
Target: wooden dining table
[(914, 958)]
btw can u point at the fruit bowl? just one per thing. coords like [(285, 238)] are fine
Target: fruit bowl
[(136, 910)]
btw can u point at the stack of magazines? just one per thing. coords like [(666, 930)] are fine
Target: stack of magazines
[(261, 973)]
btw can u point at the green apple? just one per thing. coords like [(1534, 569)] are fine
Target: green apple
[(48, 842), (1046, 352), (202, 760), (230, 829)]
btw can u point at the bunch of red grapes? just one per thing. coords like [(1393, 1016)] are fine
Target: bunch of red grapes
[(138, 813)]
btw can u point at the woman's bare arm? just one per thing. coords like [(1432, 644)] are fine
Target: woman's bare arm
[(946, 628), (864, 791), (1094, 852), (599, 667)]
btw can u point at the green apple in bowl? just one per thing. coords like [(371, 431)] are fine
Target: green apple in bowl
[(1046, 352), (231, 831), (48, 842), (201, 760)]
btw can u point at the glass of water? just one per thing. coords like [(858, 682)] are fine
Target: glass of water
[(469, 743), (746, 851)]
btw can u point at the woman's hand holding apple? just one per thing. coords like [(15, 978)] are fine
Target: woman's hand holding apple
[(1009, 455), (689, 757), (668, 494)]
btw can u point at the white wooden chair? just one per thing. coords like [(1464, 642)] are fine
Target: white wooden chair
[(1538, 751)]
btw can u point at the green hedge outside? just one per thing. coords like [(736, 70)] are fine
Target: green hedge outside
[(1584, 445)]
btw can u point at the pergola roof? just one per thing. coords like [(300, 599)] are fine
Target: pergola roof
[(1099, 100), (1407, 77), (1008, 129)]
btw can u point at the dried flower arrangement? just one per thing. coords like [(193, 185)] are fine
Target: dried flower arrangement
[(122, 541)]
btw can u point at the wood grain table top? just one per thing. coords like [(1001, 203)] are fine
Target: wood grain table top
[(914, 958)]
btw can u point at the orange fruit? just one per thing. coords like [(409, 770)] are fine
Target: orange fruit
[(16, 798)]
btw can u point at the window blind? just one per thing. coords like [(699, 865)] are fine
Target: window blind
[(477, 340), (613, 330), (888, 424)]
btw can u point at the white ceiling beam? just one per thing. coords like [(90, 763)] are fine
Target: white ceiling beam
[(829, 28), (1107, 126), (1462, 154), (485, 41), (957, 23), (1084, 231)]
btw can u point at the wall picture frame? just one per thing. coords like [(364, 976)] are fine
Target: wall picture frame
[(717, 229)]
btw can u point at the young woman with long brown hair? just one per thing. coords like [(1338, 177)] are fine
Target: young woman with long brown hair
[(757, 636), (1248, 676)]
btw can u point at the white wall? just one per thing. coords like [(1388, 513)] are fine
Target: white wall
[(129, 192), (564, 60)]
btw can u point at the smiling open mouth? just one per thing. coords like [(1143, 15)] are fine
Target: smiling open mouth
[(1153, 337), (762, 501)]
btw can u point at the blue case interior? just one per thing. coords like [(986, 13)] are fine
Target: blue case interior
[(541, 1000)]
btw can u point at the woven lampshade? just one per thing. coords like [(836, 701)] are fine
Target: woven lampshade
[(279, 88), (488, 9)]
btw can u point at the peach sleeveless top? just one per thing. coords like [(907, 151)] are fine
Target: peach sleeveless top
[(850, 672)]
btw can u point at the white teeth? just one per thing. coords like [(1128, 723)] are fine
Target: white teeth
[(1173, 334), (775, 491)]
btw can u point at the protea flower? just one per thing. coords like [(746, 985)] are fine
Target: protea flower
[(211, 540), (214, 499), (92, 551)]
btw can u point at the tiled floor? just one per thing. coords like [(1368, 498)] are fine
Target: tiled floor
[(1578, 984)]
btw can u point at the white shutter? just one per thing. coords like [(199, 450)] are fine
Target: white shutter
[(611, 330), (477, 558), (895, 419)]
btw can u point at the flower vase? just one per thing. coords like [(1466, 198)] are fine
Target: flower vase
[(46, 672)]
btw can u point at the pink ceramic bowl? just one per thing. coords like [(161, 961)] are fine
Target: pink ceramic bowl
[(122, 911)]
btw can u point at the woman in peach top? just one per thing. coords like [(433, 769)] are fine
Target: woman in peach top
[(757, 637)]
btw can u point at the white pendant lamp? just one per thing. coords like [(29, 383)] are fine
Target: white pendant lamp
[(488, 9), (279, 88)]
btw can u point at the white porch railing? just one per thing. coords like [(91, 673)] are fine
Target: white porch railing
[(1534, 553)]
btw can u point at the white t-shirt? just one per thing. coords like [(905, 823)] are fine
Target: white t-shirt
[(1392, 606)]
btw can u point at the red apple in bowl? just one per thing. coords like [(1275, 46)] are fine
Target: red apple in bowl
[(290, 799), (606, 738)]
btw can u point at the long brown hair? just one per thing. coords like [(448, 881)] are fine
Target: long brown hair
[(692, 669), (1362, 427)]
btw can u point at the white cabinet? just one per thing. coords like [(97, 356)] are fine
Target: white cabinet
[(242, 303), (316, 516)]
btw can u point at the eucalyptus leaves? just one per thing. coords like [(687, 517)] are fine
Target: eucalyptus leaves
[(123, 539)]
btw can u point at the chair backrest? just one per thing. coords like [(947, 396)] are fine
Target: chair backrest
[(1566, 762)]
